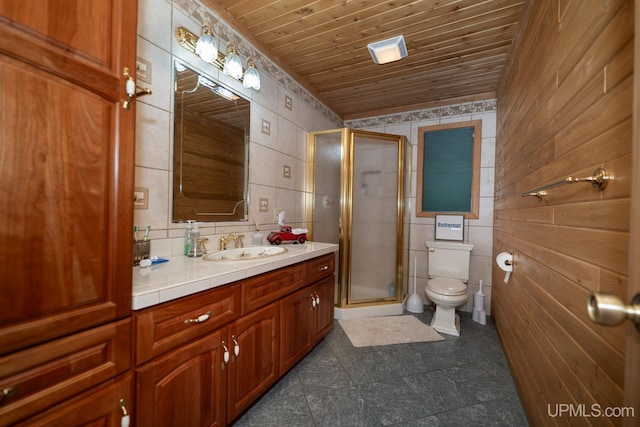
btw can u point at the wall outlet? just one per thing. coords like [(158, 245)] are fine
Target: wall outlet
[(141, 198)]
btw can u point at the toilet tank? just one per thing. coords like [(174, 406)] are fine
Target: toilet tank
[(449, 259)]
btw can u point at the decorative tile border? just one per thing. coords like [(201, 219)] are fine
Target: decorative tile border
[(489, 105)]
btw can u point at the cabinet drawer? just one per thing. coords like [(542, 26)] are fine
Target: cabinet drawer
[(261, 290), (43, 376), (103, 401), (321, 267), (165, 327)]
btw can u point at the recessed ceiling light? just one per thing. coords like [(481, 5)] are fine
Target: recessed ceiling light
[(388, 50)]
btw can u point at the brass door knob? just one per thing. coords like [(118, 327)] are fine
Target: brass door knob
[(609, 310)]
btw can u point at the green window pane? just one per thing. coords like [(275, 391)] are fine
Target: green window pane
[(447, 171)]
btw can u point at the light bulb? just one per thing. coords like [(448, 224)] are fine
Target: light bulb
[(232, 64), (251, 76), (206, 47)]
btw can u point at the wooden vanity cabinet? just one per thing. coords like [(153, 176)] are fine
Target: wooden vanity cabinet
[(307, 315), (182, 376)]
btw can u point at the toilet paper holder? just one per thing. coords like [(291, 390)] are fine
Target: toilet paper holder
[(505, 263)]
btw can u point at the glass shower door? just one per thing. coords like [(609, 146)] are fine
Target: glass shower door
[(375, 218), (357, 183)]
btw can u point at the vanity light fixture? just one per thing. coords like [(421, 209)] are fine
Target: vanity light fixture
[(206, 46), (229, 63), (251, 77), (389, 50)]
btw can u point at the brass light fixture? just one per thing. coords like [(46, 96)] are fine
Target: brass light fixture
[(206, 48)]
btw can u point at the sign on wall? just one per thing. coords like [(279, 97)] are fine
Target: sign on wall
[(449, 227)]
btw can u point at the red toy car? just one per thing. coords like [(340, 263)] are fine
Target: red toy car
[(286, 233)]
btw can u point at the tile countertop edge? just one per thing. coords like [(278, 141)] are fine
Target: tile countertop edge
[(183, 276)]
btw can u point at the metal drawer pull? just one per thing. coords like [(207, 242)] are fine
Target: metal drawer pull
[(7, 392), (236, 346), (124, 421), (225, 355), (325, 268), (199, 319), (313, 301), (317, 298)]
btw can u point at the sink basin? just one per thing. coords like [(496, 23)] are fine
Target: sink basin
[(248, 253)]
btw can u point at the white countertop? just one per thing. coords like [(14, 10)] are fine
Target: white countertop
[(183, 276)]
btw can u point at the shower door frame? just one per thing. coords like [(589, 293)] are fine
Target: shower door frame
[(347, 141)]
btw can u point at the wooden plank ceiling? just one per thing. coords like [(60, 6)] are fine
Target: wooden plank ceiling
[(457, 48)]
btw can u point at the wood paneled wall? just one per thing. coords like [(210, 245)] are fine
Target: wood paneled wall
[(564, 109)]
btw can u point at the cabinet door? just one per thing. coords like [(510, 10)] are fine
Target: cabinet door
[(256, 367), (323, 312), (295, 328), (99, 406), (185, 387), (66, 167)]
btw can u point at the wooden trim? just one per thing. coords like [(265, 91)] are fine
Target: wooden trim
[(475, 183), (632, 354)]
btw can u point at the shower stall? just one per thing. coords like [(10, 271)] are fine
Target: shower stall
[(356, 188)]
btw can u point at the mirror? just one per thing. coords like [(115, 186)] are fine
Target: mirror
[(211, 149)]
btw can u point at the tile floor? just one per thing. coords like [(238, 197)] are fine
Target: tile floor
[(456, 382)]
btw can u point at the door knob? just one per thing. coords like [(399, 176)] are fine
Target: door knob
[(607, 309)]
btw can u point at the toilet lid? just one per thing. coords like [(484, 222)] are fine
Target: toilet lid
[(446, 286)]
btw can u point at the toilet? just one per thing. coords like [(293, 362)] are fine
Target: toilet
[(447, 284)]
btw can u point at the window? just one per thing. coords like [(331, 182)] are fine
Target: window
[(449, 169)]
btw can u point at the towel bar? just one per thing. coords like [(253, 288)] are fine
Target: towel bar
[(598, 180)]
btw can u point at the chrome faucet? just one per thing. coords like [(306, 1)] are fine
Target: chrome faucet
[(237, 238)]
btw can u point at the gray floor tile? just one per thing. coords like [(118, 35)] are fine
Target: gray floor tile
[(459, 381), (341, 407), (393, 401)]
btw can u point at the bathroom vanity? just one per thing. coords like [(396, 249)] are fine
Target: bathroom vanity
[(211, 337)]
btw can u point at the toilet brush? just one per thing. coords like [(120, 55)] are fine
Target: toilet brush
[(414, 303), (479, 315)]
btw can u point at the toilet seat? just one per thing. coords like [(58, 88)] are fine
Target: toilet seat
[(446, 286)]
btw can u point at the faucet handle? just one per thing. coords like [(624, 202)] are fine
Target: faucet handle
[(201, 244)]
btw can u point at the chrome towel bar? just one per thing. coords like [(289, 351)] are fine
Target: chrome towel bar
[(598, 180)]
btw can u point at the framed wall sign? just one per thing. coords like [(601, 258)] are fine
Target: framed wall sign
[(449, 227)]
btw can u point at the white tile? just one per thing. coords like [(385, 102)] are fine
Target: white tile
[(153, 137), (154, 22), (162, 79), (262, 165), (157, 181)]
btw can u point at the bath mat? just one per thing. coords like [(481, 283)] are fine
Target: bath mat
[(387, 330)]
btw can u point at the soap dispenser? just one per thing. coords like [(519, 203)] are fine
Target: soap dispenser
[(194, 247), (188, 237)]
